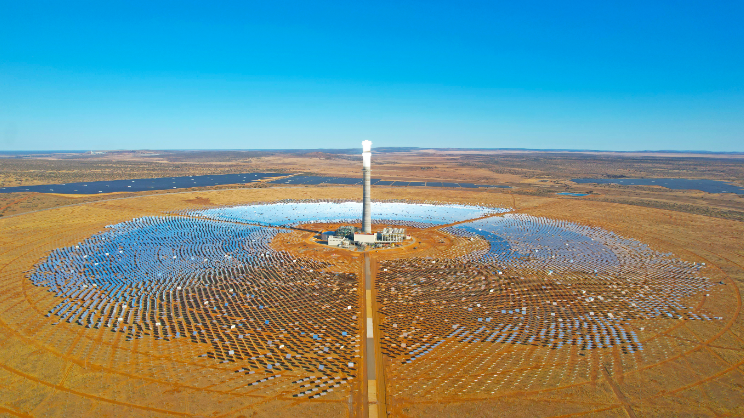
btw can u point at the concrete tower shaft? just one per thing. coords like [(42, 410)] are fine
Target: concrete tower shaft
[(367, 176)]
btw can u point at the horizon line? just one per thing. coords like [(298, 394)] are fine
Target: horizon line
[(389, 149)]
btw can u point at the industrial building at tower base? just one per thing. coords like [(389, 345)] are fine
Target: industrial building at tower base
[(347, 236)]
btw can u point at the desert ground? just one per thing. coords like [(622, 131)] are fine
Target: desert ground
[(527, 172), (53, 367)]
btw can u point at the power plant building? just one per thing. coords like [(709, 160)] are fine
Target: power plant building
[(362, 238), (336, 241), (392, 235)]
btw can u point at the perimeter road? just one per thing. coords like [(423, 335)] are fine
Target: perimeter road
[(618, 393)]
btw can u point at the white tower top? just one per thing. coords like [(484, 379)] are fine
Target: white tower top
[(366, 154)]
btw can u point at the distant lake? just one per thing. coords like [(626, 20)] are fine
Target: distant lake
[(704, 185), (185, 182), (315, 180), (140, 185)]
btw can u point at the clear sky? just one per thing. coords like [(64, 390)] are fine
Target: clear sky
[(615, 75)]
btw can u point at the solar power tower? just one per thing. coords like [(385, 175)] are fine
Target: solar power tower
[(367, 175)]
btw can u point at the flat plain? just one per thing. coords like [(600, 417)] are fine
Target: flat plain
[(52, 367)]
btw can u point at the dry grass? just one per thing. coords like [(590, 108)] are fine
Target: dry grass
[(68, 370), (529, 173)]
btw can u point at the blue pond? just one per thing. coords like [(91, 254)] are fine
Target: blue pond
[(704, 185), (140, 185), (572, 194), (166, 183), (314, 180)]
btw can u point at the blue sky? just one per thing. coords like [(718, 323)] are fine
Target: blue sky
[(289, 74)]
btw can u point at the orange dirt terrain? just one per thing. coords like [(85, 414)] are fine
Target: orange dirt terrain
[(686, 368), (250, 340), (538, 173)]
